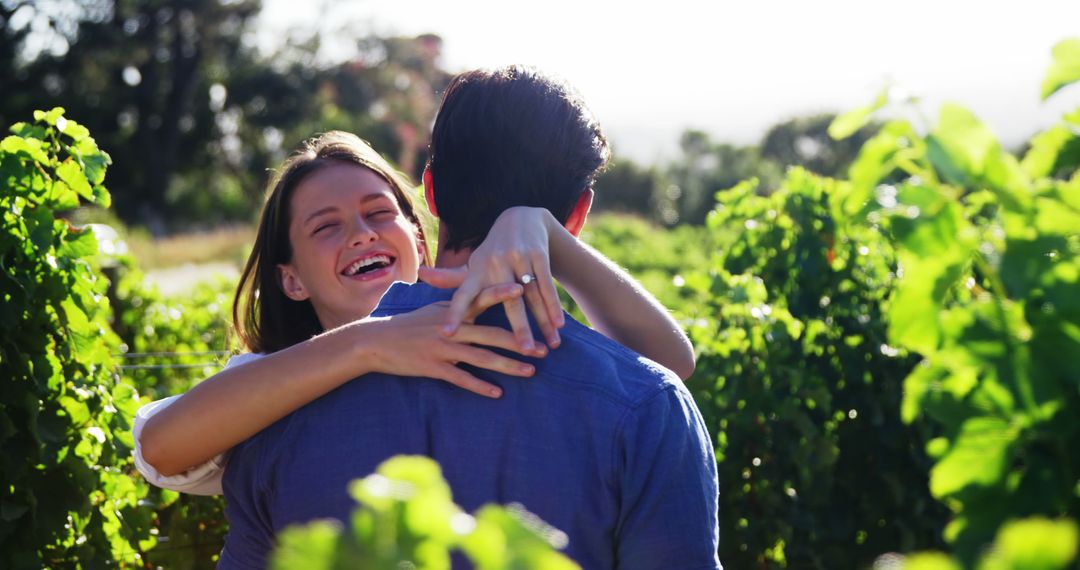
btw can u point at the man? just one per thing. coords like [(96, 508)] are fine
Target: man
[(600, 443)]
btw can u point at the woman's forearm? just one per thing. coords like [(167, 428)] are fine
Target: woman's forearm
[(238, 402), (617, 305)]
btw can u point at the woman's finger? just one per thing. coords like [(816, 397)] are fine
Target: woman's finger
[(495, 337), (546, 283), (443, 277), (539, 311), (462, 379), (519, 323), (488, 360), (491, 296), (459, 305)]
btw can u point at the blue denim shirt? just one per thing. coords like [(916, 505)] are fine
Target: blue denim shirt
[(601, 443)]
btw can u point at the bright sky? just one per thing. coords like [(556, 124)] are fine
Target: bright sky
[(650, 70)]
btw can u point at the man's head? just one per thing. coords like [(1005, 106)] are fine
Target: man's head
[(510, 137)]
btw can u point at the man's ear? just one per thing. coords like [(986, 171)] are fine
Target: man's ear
[(429, 191), (290, 283), (576, 220)]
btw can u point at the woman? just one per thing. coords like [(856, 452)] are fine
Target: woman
[(338, 228)]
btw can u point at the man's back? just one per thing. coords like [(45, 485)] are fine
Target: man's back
[(601, 444)]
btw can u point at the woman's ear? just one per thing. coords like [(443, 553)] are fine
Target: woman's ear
[(429, 190), (421, 248), (576, 220), (290, 283)]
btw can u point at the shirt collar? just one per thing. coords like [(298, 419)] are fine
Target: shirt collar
[(403, 295)]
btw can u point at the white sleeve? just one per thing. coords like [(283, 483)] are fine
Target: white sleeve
[(204, 479)]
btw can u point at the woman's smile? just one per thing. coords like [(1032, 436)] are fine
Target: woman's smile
[(370, 266), (350, 241)]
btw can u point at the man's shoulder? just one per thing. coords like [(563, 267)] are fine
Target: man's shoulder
[(594, 362)]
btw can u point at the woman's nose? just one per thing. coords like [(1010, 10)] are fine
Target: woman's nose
[(362, 233)]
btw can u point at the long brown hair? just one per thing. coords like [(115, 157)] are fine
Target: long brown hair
[(265, 319)]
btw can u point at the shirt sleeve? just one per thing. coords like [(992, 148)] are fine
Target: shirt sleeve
[(668, 488), (203, 479)]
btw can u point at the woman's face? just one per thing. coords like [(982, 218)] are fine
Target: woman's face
[(350, 240)]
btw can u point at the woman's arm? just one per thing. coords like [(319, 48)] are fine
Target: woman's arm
[(617, 305), (519, 243), (240, 401)]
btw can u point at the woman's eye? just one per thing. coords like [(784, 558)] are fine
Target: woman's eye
[(382, 213), (323, 227)]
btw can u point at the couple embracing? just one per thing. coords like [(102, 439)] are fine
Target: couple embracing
[(352, 361)]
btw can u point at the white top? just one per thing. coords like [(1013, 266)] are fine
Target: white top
[(204, 479)]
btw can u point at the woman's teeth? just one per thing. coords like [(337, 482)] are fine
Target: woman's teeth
[(367, 264)]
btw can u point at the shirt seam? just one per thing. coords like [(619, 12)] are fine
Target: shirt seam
[(621, 426)]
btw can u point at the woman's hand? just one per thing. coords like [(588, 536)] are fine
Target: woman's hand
[(416, 344), (517, 245)]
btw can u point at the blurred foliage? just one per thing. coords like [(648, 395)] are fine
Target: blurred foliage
[(69, 495), (989, 256), (655, 256), (800, 388), (1028, 544), (408, 519), (169, 344), (194, 114)]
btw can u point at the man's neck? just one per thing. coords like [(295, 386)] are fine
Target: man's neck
[(450, 257)]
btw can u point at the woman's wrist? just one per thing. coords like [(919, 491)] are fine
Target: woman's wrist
[(353, 347), (565, 253)]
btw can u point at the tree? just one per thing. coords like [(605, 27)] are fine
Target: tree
[(805, 142)]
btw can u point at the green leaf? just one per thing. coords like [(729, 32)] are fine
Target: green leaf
[(1065, 69), (961, 144), (79, 244), (930, 561), (125, 399), (933, 255), (29, 147), (878, 159), (63, 197), (849, 123), (1042, 158), (53, 115), (94, 160), (39, 223), (76, 410), (70, 172), (1036, 544), (980, 455), (1073, 118), (967, 153), (28, 131), (1054, 218), (76, 131), (312, 546)]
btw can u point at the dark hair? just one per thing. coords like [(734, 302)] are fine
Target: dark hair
[(510, 137), (265, 319)]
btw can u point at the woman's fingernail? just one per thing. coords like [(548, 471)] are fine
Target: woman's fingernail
[(495, 393)]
